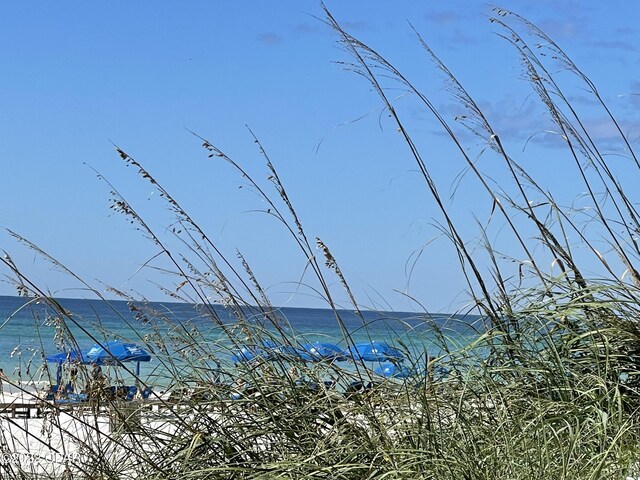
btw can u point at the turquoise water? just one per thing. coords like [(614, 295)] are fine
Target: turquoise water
[(28, 330)]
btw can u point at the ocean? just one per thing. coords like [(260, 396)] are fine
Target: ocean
[(29, 330)]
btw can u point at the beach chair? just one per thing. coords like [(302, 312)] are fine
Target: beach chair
[(131, 392), (51, 393), (329, 384), (357, 388)]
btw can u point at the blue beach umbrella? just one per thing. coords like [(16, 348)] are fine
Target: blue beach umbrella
[(62, 357), (267, 350), (375, 352), (394, 370), (115, 352), (319, 351), (244, 355), (248, 354), (308, 352)]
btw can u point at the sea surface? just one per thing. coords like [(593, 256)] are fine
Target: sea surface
[(31, 329)]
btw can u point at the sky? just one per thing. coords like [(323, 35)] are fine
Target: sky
[(79, 78)]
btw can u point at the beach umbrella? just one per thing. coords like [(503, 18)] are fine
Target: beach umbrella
[(268, 350), (248, 354), (243, 355), (116, 352), (375, 352), (309, 352), (394, 370), (62, 357), (319, 351)]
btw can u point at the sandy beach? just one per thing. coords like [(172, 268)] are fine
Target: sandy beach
[(55, 441)]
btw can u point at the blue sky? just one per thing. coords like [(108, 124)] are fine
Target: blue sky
[(79, 77)]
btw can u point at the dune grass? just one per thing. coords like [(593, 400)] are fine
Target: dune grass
[(547, 389)]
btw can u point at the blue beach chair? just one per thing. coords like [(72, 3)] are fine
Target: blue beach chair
[(131, 392)]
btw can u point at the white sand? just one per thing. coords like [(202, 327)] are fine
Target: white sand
[(49, 444)]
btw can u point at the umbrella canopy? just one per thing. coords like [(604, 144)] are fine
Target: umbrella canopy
[(266, 350), (394, 370), (309, 352), (62, 357), (65, 357), (115, 352), (247, 354), (319, 351), (375, 352)]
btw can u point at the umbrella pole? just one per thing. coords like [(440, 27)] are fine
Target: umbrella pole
[(59, 374), (137, 369)]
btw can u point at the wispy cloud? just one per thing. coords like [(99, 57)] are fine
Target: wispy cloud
[(602, 131), (457, 37), (623, 31), (562, 30), (356, 26), (308, 28), (510, 119), (632, 97), (615, 45), (513, 119), (451, 26), (446, 17), (269, 38), (527, 122)]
